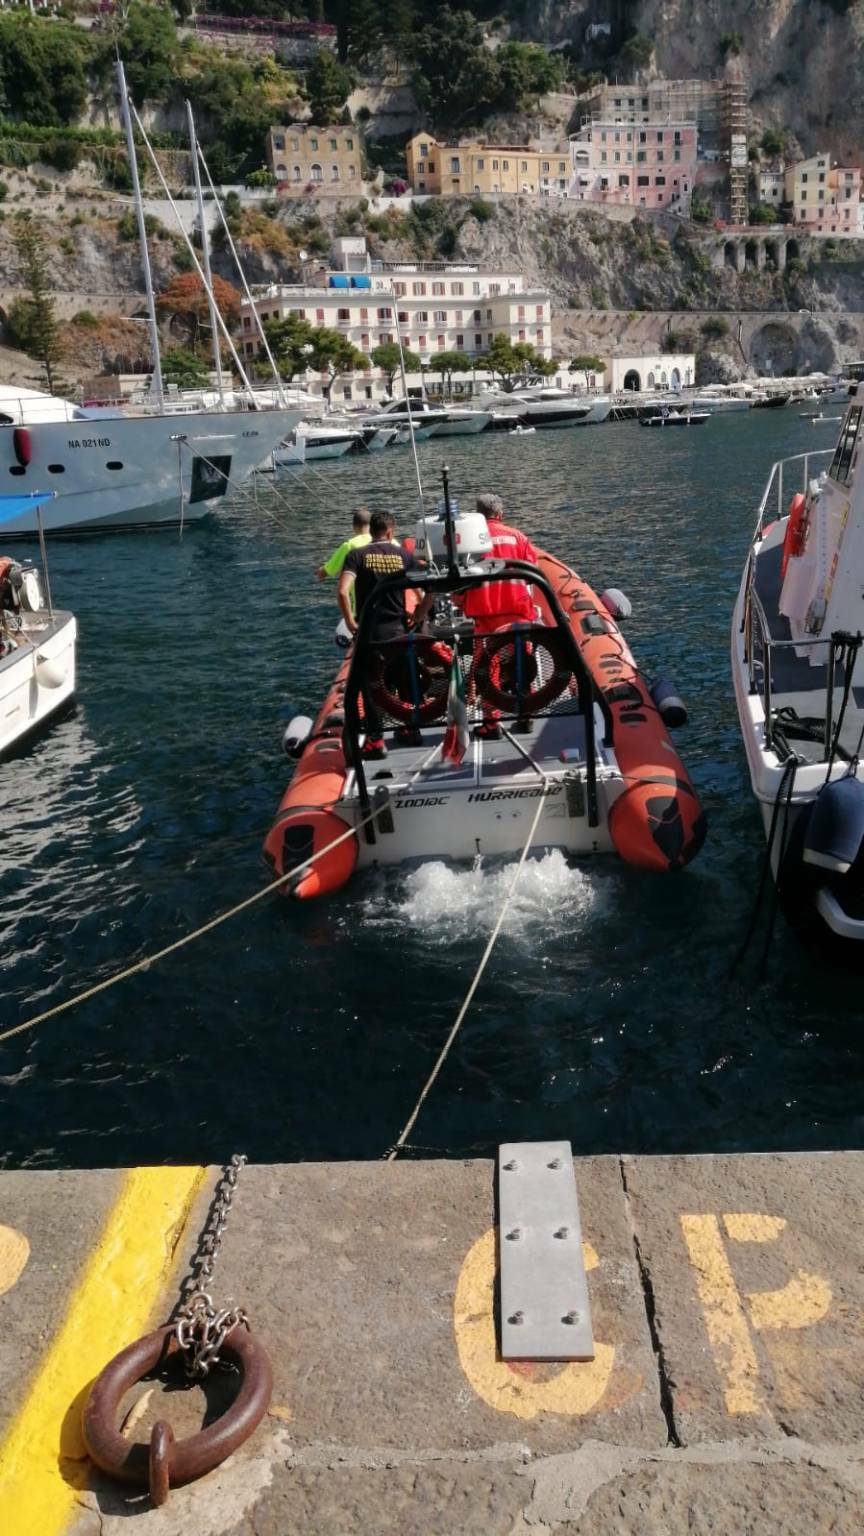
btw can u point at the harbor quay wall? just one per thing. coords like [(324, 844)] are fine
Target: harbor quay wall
[(727, 1297)]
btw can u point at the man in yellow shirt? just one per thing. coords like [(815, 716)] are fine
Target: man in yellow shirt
[(333, 567)]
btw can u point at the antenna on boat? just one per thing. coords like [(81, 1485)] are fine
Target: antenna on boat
[(246, 289), (449, 524), (205, 253), (156, 380), (420, 499)]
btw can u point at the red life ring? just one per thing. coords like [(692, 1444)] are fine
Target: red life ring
[(409, 678), (796, 531), (504, 694)]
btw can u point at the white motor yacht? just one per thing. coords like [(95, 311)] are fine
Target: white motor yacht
[(431, 420), (316, 440), (37, 644), (799, 678), (561, 408), (722, 398)]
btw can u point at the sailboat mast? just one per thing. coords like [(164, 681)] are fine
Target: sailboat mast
[(205, 251), (156, 384)]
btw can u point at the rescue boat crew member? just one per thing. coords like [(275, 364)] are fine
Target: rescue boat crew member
[(361, 535), (499, 603), (364, 567)]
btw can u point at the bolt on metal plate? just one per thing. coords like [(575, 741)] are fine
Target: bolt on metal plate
[(545, 1312)]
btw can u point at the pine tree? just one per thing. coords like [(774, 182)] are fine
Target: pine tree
[(43, 342)]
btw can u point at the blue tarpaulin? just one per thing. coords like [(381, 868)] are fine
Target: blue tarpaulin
[(16, 506)]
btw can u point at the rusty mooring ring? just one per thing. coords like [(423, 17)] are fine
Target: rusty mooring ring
[(167, 1462)]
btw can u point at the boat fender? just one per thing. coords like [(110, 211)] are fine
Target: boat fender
[(303, 832), (796, 531), (835, 830), (673, 711), (343, 635), (23, 446), (616, 603), (51, 671), (296, 735)]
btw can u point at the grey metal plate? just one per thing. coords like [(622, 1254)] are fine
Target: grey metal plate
[(545, 1312)]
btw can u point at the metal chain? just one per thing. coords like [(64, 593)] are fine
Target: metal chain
[(200, 1328)]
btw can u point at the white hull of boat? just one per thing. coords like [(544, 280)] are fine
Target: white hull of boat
[(462, 426), (124, 471), (37, 678)]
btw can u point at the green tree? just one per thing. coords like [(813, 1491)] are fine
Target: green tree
[(587, 362), (636, 53), (334, 354), (448, 363), (515, 364), (456, 79), (328, 86), (149, 49), (42, 340), (526, 71), (773, 141), (387, 357), (42, 69), (763, 213), (180, 366), (291, 342)]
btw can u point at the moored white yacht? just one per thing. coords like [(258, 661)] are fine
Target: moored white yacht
[(551, 407), (799, 678), (430, 420), (316, 440), (37, 645)]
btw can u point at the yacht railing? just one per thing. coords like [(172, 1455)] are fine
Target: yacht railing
[(759, 646), (778, 485)]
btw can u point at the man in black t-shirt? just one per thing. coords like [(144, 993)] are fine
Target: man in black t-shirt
[(365, 567)]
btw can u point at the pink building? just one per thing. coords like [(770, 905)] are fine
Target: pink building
[(647, 165)]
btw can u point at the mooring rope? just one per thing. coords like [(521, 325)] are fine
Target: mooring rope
[(408, 1127)]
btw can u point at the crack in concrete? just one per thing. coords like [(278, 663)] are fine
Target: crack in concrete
[(563, 1485), (320, 1456), (664, 1380)]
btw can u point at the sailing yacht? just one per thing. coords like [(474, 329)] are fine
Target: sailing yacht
[(159, 463), (798, 670)]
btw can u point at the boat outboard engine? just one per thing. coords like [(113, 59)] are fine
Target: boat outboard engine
[(835, 828), (296, 735), (471, 533), (616, 603), (671, 708)]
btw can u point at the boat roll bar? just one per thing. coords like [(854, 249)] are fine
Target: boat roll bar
[(464, 580)]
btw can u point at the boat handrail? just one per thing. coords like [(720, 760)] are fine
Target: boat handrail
[(757, 630), (778, 474)]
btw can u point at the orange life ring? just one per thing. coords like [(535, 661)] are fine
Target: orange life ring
[(796, 531), (409, 678), (505, 695)]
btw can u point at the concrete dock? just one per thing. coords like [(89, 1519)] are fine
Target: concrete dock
[(725, 1396)]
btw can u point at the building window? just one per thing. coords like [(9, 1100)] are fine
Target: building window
[(457, 290), (399, 290), (624, 180), (421, 342), (384, 338), (346, 391), (319, 317), (494, 165), (279, 140), (488, 315), (505, 165), (442, 342), (617, 156), (424, 150), (247, 323), (352, 172), (454, 165), (643, 181), (641, 156), (478, 339), (522, 335), (538, 312), (677, 154), (431, 167), (440, 317), (313, 143), (349, 143), (386, 313), (520, 313), (481, 165), (364, 341), (478, 316), (659, 157), (603, 156), (297, 174), (422, 317), (803, 176), (343, 314), (333, 145), (364, 315), (659, 181), (316, 174), (659, 138), (438, 290), (334, 173), (457, 317), (402, 317), (494, 289), (539, 333), (295, 143), (677, 136), (460, 341), (643, 138), (418, 290)]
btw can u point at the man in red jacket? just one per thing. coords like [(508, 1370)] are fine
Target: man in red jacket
[(499, 603)]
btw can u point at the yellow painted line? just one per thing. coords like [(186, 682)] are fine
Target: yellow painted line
[(42, 1459), (725, 1321)]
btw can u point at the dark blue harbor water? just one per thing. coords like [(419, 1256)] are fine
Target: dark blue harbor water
[(607, 1015)]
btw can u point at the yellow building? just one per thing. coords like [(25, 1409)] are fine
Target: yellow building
[(825, 197), (307, 159), (470, 168)]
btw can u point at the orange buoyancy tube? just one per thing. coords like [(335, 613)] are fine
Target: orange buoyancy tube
[(657, 821), (796, 531), (307, 823)]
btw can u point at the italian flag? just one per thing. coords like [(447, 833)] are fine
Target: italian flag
[(457, 736)]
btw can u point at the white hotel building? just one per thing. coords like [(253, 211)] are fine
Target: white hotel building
[(438, 308)]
